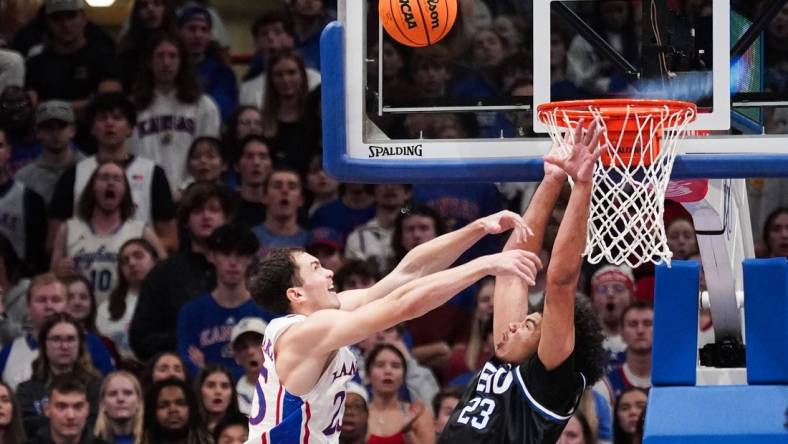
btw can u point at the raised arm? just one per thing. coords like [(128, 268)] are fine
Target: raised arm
[(302, 350), (436, 255), (558, 328), (510, 297)]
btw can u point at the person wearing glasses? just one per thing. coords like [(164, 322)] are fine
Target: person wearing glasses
[(63, 352)]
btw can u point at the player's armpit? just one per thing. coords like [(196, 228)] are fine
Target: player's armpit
[(552, 392)]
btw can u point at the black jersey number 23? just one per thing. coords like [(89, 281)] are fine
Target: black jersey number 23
[(477, 413)]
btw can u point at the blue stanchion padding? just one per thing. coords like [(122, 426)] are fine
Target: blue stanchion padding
[(766, 320), (675, 324), (717, 415)]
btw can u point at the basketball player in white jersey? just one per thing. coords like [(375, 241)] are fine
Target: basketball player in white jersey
[(300, 394), (112, 118), (172, 109), (89, 243)]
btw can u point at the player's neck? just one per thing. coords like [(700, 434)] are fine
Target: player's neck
[(230, 296), (4, 177), (639, 363), (105, 222)]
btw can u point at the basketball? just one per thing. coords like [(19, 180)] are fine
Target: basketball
[(417, 23)]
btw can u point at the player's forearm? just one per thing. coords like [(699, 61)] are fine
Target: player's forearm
[(441, 252), (570, 241), (537, 216), (429, 292), (510, 303)]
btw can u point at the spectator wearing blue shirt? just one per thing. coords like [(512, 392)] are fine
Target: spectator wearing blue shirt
[(205, 325), (283, 197), (216, 78)]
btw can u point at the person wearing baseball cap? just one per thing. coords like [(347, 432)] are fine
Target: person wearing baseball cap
[(354, 421), (246, 340), (55, 130), (326, 244), (217, 79)]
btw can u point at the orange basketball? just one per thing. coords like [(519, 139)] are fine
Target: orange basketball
[(417, 22)]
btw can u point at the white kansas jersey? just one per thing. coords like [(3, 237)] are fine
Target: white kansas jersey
[(96, 256), (278, 417), (166, 129)]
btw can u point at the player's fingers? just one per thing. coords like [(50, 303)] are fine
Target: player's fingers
[(591, 133), (578, 134)]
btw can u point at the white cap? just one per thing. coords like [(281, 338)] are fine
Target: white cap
[(247, 325), (360, 390)]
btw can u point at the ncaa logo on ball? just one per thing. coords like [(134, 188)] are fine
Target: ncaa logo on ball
[(407, 13)]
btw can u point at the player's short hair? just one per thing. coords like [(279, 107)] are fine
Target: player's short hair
[(588, 352), (109, 103), (270, 278), (233, 238), (635, 305)]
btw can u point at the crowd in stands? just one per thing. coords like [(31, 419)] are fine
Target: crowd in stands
[(140, 179)]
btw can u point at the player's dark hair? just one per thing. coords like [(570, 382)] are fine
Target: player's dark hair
[(414, 209), (588, 352), (87, 200), (233, 238), (187, 88), (109, 103), (767, 226), (355, 267), (373, 354), (272, 17), (270, 278), (635, 305), (446, 393)]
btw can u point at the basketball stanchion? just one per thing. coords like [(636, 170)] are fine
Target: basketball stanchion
[(639, 142)]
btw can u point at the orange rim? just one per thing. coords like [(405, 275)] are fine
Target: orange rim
[(613, 108)]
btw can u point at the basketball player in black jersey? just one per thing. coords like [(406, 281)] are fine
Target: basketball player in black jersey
[(543, 361)]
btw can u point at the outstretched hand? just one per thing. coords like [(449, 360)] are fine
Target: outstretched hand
[(521, 263), (580, 162), (504, 221)]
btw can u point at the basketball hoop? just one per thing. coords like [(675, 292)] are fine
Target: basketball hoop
[(639, 141)]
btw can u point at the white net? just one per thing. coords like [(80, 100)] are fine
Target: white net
[(628, 201)]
